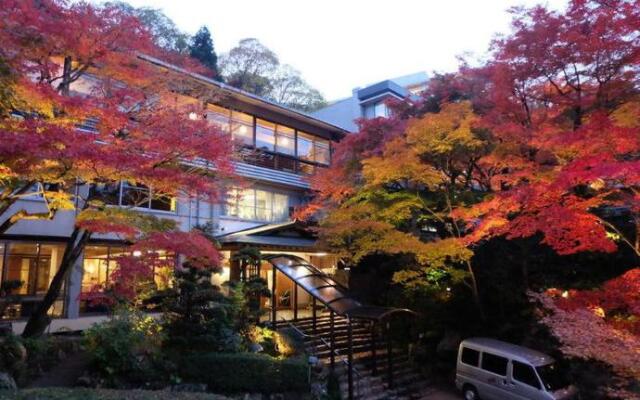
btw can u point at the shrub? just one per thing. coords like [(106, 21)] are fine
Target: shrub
[(125, 346), (237, 372)]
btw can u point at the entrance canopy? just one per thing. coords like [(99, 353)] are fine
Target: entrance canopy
[(326, 290)]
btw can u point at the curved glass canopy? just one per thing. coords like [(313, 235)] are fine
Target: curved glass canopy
[(326, 290)]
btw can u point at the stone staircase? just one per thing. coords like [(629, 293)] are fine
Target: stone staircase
[(408, 383)]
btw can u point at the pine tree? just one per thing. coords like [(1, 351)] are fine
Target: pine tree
[(201, 49)]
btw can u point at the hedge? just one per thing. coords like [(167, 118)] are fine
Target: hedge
[(246, 372), (103, 394)]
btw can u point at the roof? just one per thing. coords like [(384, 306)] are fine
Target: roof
[(384, 87), (411, 79), (281, 235), (510, 350), (251, 98)]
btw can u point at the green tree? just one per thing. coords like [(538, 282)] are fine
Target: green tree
[(253, 67), (201, 48)]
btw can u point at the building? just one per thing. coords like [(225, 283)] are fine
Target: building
[(369, 102), (279, 148)]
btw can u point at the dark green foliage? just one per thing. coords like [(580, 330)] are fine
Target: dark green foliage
[(7, 296), (198, 317), (126, 347), (237, 372), (103, 394), (201, 49)]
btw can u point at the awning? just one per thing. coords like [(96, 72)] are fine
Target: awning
[(328, 291)]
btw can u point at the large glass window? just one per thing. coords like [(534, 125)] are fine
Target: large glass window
[(219, 116), (260, 205), (264, 205), (322, 151), (265, 135), (242, 128), (305, 146), (285, 140), (33, 264), (127, 194), (99, 262)]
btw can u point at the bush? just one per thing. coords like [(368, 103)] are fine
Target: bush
[(238, 372), (103, 394), (126, 346)]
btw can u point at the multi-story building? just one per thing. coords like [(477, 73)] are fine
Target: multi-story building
[(279, 148), (369, 102)]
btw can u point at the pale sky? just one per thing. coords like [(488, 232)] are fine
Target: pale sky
[(341, 44)]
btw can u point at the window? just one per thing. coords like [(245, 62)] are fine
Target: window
[(525, 373), (380, 110), (285, 140), (109, 193), (130, 195), (242, 128), (258, 205), (265, 135), (322, 151), (219, 116), (264, 205), (495, 364), (470, 356), (99, 263), (34, 264), (305, 146)]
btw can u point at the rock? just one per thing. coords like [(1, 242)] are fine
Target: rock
[(7, 382), (190, 387), (256, 348), (85, 381)]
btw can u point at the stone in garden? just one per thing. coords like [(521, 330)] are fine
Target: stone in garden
[(7, 382)]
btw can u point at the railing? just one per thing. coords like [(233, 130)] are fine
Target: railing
[(336, 353)]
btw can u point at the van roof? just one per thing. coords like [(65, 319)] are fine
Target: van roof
[(512, 351)]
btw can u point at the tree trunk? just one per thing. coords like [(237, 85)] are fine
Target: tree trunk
[(39, 320), (66, 77), (475, 293)]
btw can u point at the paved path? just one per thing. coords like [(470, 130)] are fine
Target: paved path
[(439, 394)]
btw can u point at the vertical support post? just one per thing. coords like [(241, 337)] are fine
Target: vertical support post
[(374, 365), (313, 314), (389, 357), (350, 358), (243, 270), (295, 301), (332, 340), (274, 298)]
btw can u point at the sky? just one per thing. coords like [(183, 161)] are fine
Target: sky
[(338, 45)]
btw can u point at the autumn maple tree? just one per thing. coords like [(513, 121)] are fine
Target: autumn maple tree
[(81, 109), (539, 147)]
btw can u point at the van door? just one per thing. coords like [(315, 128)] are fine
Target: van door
[(525, 382), (496, 383)]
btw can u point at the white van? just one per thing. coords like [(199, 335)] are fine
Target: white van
[(489, 369)]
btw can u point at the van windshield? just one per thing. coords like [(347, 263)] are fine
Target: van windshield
[(551, 377)]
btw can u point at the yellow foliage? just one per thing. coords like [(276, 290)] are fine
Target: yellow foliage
[(628, 114), (399, 163), (449, 131)]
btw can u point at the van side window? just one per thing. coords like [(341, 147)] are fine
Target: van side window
[(470, 356), (524, 373), (495, 364)]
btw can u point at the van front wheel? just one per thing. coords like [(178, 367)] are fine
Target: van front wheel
[(470, 393)]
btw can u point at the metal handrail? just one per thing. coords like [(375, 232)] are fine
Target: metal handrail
[(327, 345)]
